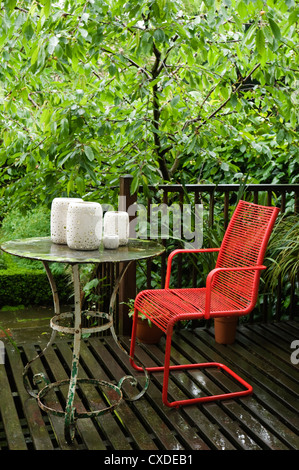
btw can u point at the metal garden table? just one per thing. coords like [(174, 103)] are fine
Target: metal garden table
[(44, 250)]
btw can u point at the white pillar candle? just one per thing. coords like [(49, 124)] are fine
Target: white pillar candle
[(59, 209), (117, 223), (84, 225)]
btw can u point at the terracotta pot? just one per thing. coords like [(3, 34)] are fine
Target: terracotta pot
[(225, 329), (148, 334)]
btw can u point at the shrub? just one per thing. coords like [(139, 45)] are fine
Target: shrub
[(24, 281), (16, 224), (19, 286)]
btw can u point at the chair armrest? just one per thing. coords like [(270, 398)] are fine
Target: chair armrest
[(179, 251), (211, 275)]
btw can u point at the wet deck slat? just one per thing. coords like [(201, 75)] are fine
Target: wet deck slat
[(9, 415), (268, 419), (32, 411)]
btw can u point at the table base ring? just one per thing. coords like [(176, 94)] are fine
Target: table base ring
[(85, 414), (54, 323)]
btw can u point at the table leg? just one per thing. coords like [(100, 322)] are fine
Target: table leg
[(38, 378), (70, 411)]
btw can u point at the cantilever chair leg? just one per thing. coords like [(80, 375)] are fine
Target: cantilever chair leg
[(167, 368)]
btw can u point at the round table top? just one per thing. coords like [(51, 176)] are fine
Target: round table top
[(42, 248)]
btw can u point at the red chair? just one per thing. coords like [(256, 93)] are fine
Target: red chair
[(231, 290)]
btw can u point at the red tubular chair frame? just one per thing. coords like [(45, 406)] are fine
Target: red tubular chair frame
[(203, 313)]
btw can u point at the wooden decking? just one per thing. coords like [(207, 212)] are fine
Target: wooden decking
[(269, 419)]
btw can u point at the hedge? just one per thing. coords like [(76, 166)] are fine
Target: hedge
[(19, 286)]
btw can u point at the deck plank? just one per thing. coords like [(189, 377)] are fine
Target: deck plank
[(268, 419), (85, 427), (57, 423), (32, 411), (9, 415), (106, 422), (237, 417)]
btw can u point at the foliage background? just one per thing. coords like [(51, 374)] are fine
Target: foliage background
[(197, 91)]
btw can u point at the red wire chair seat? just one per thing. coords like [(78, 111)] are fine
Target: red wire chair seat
[(162, 306), (231, 290)]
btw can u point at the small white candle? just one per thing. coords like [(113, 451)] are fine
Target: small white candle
[(111, 242)]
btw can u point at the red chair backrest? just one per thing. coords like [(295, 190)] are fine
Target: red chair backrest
[(244, 244)]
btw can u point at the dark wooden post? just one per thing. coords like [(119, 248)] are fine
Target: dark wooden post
[(127, 289)]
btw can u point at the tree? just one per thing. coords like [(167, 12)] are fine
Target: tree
[(159, 89)]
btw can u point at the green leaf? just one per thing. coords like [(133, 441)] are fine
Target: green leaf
[(275, 29), (280, 136), (89, 153), (159, 35), (242, 9), (34, 55), (224, 166), (224, 92), (234, 100), (47, 8), (294, 17), (75, 63), (195, 44), (249, 34), (91, 285), (175, 100), (209, 3), (260, 42), (80, 184), (52, 44), (11, 4), (70, 186), (64, 127), (83, 32), (134, 184), (46, 116), (154, 82)]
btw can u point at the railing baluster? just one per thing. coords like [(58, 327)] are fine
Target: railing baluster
[(296, 203), (293, 301), (164, 256), (194, 270), (211, 209), (269, 197), (148, 261), (283, 202), (226, 206), (181, 199)]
